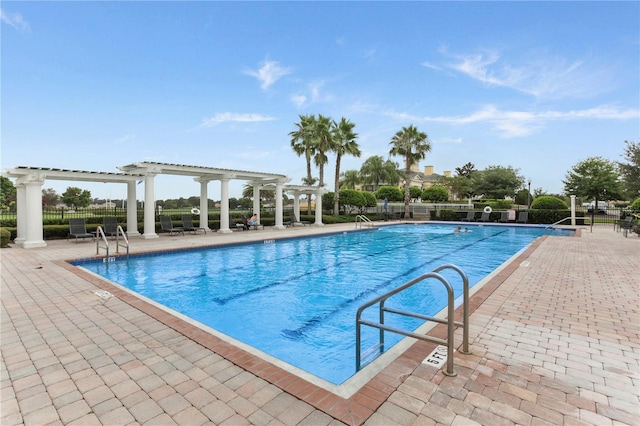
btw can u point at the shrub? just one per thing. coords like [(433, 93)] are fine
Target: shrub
[(435, 194), (548, 202), (635, 206), (391, 193), (5, 237)]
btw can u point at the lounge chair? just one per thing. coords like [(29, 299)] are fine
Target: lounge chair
[(523, 217), (626, 225), (485, 217), (294, 220), (470, 217), (110, 226), (167, 226), (78, 229), (504, 217), (187, 225)]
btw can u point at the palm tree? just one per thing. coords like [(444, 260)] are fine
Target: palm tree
[(344, 143), (375, 171), (303, 143), (350, 179), (323, 143), (413, 145)]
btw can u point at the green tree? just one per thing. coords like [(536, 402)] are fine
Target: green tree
[(415, 192), (435, 194), (50, 197), (548, 202), (7, 192), (391, 193), (376, 171), (594, 179), (466, 170), (352, 200), (630, 170), (412, 145), (350, 179), (323, 142), (303, 143), (344, 143), (497, 182), (266, 195), (76, 197)]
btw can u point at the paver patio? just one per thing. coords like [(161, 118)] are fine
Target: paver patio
[(554, 341)]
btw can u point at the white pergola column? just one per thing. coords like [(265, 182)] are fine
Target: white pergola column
[(296, 204), (318, 221), (256, 200), (21, 218), (573, 210), (149, 207), (132, 209), (33, 206), (204, 204), (279, 208), (224, 206)]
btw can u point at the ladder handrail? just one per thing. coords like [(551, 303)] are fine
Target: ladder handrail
[(120, 232), (362, 219), (449, 321), (101, 237), (566, 218)]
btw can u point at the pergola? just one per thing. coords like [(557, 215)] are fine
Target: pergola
[(29, 182)]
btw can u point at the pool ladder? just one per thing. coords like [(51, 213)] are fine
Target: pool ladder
[(362, 220), (449, 320), (102, 238)]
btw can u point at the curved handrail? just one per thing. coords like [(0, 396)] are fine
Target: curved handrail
[(465, 305), (382, 327), (100, 236), (566, 218), (362, 219)]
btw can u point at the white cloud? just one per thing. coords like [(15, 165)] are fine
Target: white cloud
[(298, 100), (314, 95), (224, 117), (522, 123), (541, 75), (269, 73), (14, 20)]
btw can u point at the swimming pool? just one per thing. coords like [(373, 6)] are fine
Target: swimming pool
[(296, 299)]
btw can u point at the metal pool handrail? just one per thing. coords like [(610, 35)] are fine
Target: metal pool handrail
[(362, 219), (449, 321), (101, 237)]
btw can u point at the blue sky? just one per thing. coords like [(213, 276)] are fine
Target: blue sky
[(538, 86)]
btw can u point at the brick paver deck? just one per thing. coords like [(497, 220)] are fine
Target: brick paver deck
[(554, 341)]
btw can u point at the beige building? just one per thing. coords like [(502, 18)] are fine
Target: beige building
[(424, 179)]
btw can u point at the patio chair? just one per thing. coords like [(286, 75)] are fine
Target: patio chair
[(187, 225), (504, 217), (294, 220), (78, 229), (167, 226), (110, 226), (470, 217), (523, 217), (485, 217), (626, 225)]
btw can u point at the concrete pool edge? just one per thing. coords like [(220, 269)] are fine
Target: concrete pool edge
[(362, 403)]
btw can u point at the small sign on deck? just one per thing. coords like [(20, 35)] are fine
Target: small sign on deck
[(437, 358)]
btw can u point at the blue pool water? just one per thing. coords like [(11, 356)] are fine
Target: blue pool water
[(296, 299)]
